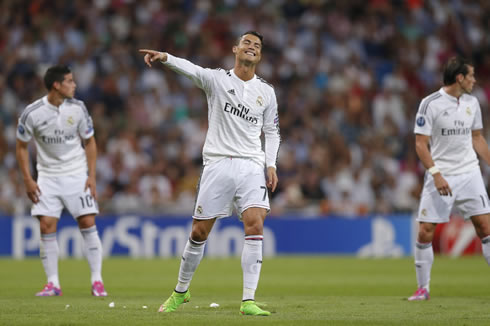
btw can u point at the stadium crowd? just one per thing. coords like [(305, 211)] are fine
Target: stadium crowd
[(349, 76)]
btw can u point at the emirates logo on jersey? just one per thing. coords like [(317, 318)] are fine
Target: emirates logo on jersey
[(240, 111), (468, 111), (70, 120)]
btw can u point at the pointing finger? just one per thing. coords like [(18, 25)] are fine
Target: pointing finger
[(147, 59), (147, 51)]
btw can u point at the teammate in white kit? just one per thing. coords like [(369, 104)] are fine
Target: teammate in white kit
[(66, 173), (241, 106), (448, 131)]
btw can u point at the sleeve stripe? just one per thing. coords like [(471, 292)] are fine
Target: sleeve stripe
[(85, 111), (82, 106), (425, 105), (34, 106)]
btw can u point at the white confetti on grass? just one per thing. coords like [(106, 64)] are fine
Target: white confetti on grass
[(214, 305), (112, 304), (145, 307)]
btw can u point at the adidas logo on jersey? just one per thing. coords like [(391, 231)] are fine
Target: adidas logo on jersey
[(231, 91)]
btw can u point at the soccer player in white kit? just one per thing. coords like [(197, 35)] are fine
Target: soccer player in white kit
[(66, 173), (448, 130), (241, 106)]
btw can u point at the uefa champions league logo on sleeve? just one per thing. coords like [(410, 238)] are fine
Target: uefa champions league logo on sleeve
[(420, 121), (21, 130)]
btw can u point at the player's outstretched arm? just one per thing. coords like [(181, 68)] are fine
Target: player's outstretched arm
[(152, 55), (22, 153), (200, 76)]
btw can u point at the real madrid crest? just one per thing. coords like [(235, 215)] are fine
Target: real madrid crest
[(468, 111), (70, 120), (260, 101), (199, 210)]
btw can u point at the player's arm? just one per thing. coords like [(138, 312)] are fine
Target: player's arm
[(22, 154), (422, 149), (91, 153), (200, 76), (272, 142), (480, 145)]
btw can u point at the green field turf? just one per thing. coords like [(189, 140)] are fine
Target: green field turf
[(298, 290)]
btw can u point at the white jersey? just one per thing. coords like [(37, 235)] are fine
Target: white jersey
[(57, 133), (238, 111), (449, 122)]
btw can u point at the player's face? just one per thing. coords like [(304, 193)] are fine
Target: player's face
[(249, 49), (67, 87), (468, 81)]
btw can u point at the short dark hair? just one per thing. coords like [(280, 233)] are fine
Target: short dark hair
[(455, 66), (255, 33), (55, 74)]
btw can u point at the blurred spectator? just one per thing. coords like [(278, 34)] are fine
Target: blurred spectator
[(348, 75)]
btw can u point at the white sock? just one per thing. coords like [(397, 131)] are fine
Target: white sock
[(485, 245), (92, 249), (49, 252), (191, 258), (424, 257), (251, 265)]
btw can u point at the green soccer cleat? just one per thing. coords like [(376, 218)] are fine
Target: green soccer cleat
[(250, 308), (174, 301)]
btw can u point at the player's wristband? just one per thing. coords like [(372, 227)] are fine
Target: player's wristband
[(433, 170)]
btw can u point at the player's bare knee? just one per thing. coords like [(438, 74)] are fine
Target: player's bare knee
[(199, 234), (86, 221), (482, 231), (47, 225), (426, 232), (482, 225), (256, 228)]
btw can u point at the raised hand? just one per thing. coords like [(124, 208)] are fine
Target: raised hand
[(152, 55)]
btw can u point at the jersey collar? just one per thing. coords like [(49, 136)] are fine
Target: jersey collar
[(51, 106), (248, 81), (449, 97)]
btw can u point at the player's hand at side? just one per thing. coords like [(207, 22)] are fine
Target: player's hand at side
[(442, 185), (90, 184), (272, 178), (152, 55), (32, 190)]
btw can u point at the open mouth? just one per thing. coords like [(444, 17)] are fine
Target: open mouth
[(250, 53)]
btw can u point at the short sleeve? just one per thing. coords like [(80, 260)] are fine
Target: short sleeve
[(86, 126), (25, 128), (477, 122), (424, 119)]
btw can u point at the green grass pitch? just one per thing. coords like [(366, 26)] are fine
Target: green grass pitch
[(298, 290)]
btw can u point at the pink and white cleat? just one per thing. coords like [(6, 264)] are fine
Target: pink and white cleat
[(49, 290), (420, 295), (98, 289)]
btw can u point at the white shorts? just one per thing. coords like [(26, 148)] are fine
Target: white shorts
[(469, 197), (230, 183), (64, 191)]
